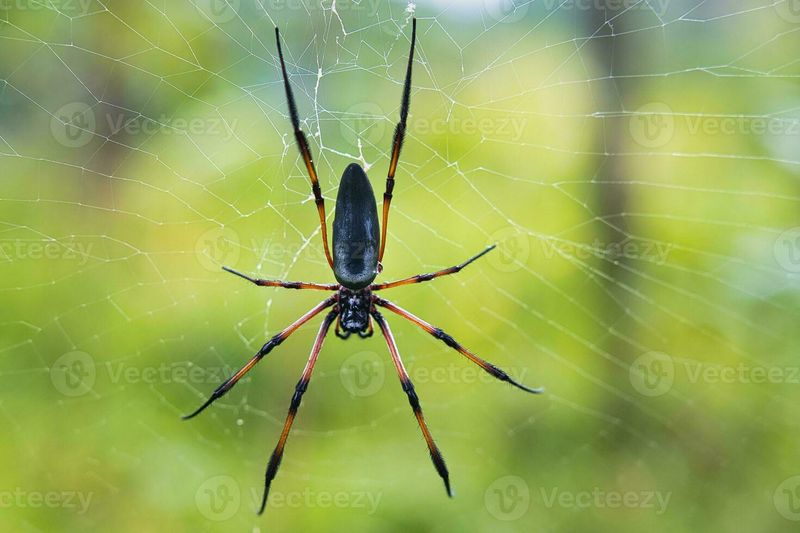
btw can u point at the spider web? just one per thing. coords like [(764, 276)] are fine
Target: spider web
[(637, 166)]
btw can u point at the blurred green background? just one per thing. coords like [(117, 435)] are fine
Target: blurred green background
[(638, 164)]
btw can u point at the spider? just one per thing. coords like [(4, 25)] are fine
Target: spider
[(356, 261)]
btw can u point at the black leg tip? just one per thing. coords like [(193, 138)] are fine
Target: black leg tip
[(190, 416), (264, 499), (537, 390), (201, 408)]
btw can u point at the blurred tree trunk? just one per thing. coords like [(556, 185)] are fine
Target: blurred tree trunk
[(609, 195)]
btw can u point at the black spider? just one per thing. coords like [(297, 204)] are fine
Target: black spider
[(357, 252)]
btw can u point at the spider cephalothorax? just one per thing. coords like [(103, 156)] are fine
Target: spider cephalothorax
[(354, 309), (358, 248)]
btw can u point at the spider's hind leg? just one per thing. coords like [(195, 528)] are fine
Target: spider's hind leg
[(300, 389), (413, 400), (229, 383)]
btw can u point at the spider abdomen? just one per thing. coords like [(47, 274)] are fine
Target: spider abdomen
[(356, 235)]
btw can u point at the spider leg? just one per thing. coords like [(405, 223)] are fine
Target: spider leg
[(370, 331), (338, 329), (284, 284), (408, 388), (302, 385), (451, 342), (419, 278), (272, 343), (305, 151), (397, 143)]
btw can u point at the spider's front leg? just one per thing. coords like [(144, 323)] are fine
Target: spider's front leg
[(284, 284), (437, 333)]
